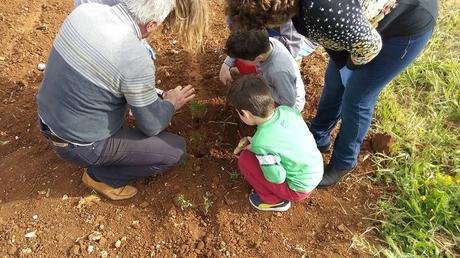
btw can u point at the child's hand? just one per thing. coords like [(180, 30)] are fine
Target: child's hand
[(224, 74), (244, 144)]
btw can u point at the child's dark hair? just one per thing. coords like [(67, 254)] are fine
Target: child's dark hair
[(247, 44), (251, 93)]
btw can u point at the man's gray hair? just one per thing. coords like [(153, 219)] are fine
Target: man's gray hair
[(144, 11)]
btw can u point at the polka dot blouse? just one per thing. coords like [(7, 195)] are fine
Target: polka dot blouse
[(343, 25)]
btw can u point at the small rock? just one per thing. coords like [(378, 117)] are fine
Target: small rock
[(200, 245), (59, 238), (26, 251), (144, 204), (2, 58), (104, 254), (65, 197), (101, 227), (41, 66), (35, 216), (100, 219), (342, 228), (88, 201), (136, 224), (76, 250), (12, 250), (102, 241), (90, 249), (31, 234), (118, 244), (95, 236)]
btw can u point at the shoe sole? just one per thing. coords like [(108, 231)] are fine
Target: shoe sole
[(283, 208)]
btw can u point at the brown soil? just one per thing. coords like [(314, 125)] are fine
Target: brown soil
[(42, 194), (382, 143)]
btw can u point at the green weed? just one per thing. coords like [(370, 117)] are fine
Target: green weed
[(182, 202), (207, 203), (235, 175), (421, 109)]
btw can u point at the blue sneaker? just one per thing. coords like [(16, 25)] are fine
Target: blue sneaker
[(255, 200)]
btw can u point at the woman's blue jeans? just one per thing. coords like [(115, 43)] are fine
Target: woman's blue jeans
[(350, 95)]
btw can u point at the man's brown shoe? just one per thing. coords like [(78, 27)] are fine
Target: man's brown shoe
[(120, 193)]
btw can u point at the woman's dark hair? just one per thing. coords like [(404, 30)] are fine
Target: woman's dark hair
[(247, 44), (252, 93), (260, 14)]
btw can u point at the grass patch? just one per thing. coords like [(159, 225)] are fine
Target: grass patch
[(421, 109)]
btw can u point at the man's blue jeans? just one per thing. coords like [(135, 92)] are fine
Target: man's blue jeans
[(126, 156), (350, 95)]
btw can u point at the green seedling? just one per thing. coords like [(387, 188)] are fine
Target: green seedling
[(198, 109), (235, 175), (182, 202), (207, 203), (195, 137)]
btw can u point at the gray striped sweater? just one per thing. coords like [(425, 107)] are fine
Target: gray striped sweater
[(98, 67)]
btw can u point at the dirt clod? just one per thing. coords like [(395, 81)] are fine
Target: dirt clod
[(104, 254), (342, 228), (200, 245), (95, 236), (382, 143), (76, 250), (144, 205), (12, 250)]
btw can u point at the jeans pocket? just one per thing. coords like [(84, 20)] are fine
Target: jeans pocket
[(82, 156)]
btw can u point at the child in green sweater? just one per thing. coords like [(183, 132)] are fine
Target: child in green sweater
[(281, 161)]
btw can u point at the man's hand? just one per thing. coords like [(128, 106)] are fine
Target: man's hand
[(224, 74), (179, 96)]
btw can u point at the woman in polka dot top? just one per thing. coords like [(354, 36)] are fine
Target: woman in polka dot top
[(369, 43)]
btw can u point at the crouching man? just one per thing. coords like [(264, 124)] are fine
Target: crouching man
[(97, 68)]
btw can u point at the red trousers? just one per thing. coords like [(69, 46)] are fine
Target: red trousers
[(268, 192)]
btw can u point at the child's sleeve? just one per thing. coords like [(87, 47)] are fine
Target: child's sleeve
[(270, 163), (229, 61)]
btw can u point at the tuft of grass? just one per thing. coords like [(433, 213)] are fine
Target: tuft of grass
[(182, 202), (421, 109)]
